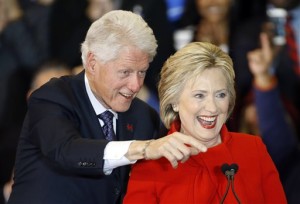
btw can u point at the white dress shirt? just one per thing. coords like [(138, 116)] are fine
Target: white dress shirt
[(114, 152)]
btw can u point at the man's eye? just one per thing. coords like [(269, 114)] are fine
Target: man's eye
[(124, 73), (142, 73)]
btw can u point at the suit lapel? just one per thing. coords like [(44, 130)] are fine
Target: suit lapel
[(125, 127), (84, 103)]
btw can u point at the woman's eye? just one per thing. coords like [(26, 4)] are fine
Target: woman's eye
[(199, 96), (221, 95)]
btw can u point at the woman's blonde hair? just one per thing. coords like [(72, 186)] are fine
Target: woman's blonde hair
[(187, 64)]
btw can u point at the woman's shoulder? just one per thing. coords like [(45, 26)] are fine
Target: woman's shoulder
[(242, 135), (245, 139)]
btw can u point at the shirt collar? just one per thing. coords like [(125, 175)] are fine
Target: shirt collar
[(98, 107)]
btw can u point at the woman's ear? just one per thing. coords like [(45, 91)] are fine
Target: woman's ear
[(175, 107), (91, 62)]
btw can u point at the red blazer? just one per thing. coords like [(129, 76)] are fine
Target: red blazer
[(200, 179)]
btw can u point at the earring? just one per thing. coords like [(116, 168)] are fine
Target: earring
[(175, 107)]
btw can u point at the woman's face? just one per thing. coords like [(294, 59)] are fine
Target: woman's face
[(214, 10), (203, 106)]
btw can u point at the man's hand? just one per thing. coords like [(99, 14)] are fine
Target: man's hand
[(175, 147)]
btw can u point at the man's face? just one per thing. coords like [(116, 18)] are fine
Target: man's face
[(116, 83)]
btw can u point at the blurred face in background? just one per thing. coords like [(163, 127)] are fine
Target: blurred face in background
[(286, 4), (97, 8), (46, 2), (10, 10), (214, 10)]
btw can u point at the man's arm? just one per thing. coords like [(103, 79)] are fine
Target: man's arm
[(178, 147)]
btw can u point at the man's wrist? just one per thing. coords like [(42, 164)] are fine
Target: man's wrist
[(147, 143), (137, 150)]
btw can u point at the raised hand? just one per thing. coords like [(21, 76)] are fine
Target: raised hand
[(260, 62)]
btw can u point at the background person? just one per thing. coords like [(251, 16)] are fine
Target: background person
[(282, 65), (275, 123), (208, 21)]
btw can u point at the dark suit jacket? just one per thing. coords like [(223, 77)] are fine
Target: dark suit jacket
[(59, 158)]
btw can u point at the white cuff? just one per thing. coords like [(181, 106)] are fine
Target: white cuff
[(114, 155)]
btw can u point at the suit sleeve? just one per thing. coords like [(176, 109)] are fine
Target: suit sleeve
[(55, 129), (276, 131), (272, 186)]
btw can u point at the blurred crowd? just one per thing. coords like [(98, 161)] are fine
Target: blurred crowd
[(41, 39)]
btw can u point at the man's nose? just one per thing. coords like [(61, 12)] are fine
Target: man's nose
[(135, 83)]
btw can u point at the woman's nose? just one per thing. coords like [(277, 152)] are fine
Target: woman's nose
[(211, 105)]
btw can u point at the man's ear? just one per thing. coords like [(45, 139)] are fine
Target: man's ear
[(91, 62)]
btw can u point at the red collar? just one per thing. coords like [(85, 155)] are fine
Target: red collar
[(176, 124)]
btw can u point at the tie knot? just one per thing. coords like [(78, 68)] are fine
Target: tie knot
[(106, 116)]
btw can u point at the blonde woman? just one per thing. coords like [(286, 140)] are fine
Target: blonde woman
[(197, 96)]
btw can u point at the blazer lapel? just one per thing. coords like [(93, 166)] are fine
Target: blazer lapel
[(125, 127), (84, 102)]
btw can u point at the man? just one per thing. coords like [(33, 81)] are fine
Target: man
[(63, 154)]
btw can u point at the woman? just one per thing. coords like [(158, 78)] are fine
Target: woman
[(208, 21), (197, 96)]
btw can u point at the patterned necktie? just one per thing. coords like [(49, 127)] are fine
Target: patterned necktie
[(108, 130), (292, 45)]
